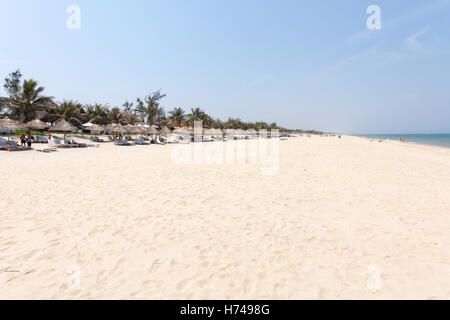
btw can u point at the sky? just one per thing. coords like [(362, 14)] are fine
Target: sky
[(303, 64)]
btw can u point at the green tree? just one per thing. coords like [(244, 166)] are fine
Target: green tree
[(97, 113), (12, 84), (114, 115), (149, 109), (71, 111), (177, 116), (127, 106), (26, 100)]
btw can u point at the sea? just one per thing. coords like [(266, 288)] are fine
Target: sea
[(440, 140)]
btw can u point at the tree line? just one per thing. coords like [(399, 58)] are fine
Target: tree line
[(25, 101)]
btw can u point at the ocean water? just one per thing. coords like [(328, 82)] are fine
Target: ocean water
[(441, 140)]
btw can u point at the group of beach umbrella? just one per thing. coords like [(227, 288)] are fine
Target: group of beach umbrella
[(65, 126), (11, 125), (135, 129)]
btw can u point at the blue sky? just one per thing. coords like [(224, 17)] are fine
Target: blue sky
[(304, 64)]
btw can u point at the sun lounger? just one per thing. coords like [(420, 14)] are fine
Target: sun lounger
[(96, 139), (141, 142), (39, 139), (122, 143), (52, 146), (159, 140), (13, 146)]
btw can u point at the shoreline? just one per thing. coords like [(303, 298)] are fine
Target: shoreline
[(404, 143)]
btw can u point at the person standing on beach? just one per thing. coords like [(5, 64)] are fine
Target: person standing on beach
[(28, 139), (22, 140)]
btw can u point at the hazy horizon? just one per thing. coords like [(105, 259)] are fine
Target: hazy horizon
[(308, 65)]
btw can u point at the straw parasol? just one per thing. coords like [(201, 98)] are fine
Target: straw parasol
[(36, 125), (185, 133), (63, 126), (152, 130), (132, 129), (142, 127), (111, 127), (96, 128), (9, 125), (164, 130)]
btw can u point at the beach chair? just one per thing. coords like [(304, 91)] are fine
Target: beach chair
[(122, 143), (141, 142), (160, 140), (96, 139), (13, 146), (52, 146)]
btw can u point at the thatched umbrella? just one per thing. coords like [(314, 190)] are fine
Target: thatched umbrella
[(64, 126), (165, 131), (142, 127), (96, 128), (185, 133), (132, 129), (151, 130), (36, 125), (111, 127), (9, 125), (115, 128)]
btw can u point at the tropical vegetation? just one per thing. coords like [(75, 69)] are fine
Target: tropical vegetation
[(25, 101)]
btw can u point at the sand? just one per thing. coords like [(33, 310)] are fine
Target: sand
[(343, 219)]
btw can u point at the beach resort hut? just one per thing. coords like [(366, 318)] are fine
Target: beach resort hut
[(64, 126)]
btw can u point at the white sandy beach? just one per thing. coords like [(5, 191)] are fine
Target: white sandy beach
[(137, 226)]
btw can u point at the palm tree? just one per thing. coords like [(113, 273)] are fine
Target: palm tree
[(71, 111), (97, 113), (127, 106), (26, 101), (177, 116), (149, 109), (196, 115), (114, 115)]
